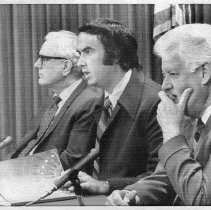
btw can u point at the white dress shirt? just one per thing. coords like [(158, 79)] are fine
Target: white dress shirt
[(206, 114), (65, 94), (118, 89)]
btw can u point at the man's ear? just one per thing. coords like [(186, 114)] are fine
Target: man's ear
[(206, 73), (67, 67)]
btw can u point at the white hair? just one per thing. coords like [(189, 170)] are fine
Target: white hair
[(190, 42), (62, 44)]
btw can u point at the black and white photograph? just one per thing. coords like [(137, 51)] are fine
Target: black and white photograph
[(105, 104)]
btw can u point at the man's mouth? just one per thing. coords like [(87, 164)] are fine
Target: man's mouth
[(173, 97)]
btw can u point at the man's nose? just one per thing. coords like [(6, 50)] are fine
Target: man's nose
[(81, 61), (167, 85), (38, 63)]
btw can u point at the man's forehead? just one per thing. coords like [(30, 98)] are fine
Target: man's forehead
[(171, 62), (58, 48), (86, 40), (49, 48)]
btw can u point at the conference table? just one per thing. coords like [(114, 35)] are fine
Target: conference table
[(98, 200)]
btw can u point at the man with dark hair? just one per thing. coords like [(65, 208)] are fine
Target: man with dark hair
[(128, 133), (68, 124)]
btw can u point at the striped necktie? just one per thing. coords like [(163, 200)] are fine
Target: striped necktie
[(46, 121), (103, 122), (199, 128)]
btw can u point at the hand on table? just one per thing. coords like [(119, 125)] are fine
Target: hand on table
[(91, 185), (123, 198)]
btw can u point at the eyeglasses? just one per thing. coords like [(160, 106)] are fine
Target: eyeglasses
[(45, 58)]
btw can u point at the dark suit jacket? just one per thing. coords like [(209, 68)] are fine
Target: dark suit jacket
[(188, 171), (73, 130), (129, 145)]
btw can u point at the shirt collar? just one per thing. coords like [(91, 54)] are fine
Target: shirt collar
[(206, 114), (64, 95), (119, 88)]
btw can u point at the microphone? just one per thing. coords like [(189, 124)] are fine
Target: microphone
[(78, 166), (93, 154), (5, 142)]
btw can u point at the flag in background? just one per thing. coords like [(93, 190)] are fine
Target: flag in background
[(168, 16)]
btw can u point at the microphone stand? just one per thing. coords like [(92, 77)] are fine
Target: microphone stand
[(72, 175), (77, 187), (75, 181)]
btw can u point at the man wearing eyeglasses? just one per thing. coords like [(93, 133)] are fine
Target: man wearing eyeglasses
[(67, 122)]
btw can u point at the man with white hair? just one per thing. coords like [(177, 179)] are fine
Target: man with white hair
[(185, 164), (67, 122)]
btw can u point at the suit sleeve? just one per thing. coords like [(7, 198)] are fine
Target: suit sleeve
[(155, 189), (82, 134), (189, 178), (153, 140), (31, 132)]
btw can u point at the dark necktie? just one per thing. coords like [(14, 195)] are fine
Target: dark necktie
[(103, 122), (199, 129), (47, 119)]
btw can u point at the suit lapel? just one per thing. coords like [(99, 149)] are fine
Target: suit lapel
[(129, 101), (69, 101)]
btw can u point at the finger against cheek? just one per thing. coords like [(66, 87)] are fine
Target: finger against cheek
[(185, 96)]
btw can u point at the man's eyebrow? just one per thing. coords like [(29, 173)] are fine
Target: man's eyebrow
[(86, 48)]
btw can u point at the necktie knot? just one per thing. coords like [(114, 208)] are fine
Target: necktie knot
[(199, 128), (108, 105), (56, 99), (200, 123)]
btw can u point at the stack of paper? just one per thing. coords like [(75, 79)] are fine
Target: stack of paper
[(27, 178)]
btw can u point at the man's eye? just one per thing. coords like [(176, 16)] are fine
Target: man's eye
[(87, 51), (79, 52), (173, 74)]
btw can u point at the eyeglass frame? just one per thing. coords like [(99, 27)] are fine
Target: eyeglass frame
[(48, 57)]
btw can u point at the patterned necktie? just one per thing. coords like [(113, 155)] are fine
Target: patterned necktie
[(103, 122), (48, 116), (199, 128), (47, 119)]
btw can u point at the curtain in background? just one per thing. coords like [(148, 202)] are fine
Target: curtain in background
[(167, 16), (22, 29), (201, 13)]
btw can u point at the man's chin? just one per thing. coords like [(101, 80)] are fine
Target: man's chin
[(42, 83), (90, 83)]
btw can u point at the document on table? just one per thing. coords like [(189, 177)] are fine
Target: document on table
[(27, 178)]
